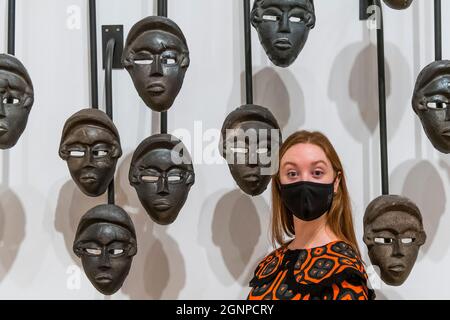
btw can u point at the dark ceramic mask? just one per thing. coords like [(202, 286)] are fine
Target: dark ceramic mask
[(106, 243), (431, 102), (251, 138), (162, 173), (283, 27), (398, 4), (16, 100), (90, 144), (393, 233), (157, 57)]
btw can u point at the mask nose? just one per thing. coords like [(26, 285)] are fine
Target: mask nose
[(2, 109), (284, 24), (105, 262), (397, 249), (447, 111), (156, 67), (88, 159), (163, 186)]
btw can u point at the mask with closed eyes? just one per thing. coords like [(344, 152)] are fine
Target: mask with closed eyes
[(16, 100), (106, 243), (90, 144), (283, 27), (162, 173), (393, 233), (431, 102), (156, 56), (250, 141)]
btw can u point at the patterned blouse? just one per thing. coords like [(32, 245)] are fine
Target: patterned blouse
[(330, 272)]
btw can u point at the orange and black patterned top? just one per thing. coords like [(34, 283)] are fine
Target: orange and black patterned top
[(329, 272)]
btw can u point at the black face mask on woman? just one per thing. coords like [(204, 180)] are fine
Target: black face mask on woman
[(307, 200)]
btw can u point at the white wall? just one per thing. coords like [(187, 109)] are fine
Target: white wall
[(210, 252)]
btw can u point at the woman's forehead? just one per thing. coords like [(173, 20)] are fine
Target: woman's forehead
[(305, 154)]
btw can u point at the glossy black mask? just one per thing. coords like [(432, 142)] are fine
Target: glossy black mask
[(90, 144), (250, 142), (106, 243), (431, 102), (283, 27), (162, 173), (393, 233), (398, 4), (306, 200), (157, 57), (16, 100)]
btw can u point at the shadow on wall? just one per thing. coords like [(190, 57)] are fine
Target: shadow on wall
[(158, 270), (72, 205), (353, 86), (12, 229), (278, 90), (420, 181), (238, 227)]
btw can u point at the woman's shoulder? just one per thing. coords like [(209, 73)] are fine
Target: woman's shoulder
[(312, 266)]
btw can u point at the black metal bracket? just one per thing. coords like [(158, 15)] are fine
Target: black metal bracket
[(113, 32), (363, 6)]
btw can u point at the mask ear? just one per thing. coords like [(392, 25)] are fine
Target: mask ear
[(63, 153), (367, 240), (28, 103), (190, 179), (255, 19), (117, 151), (133, 250), (77, 250), (127, 59), (185, 61)]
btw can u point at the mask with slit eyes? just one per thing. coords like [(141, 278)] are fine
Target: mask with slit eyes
[(90, 144), (398, 4), (393, 233), (162, 173), (156, 56), (106, 243), (431, 102), (16, 100), (283, 27), (250, 140)]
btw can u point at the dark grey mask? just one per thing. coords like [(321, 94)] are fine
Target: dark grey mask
[(157, 57), (393, 233), (162, 173), (431, 102), (106, 243), (16, 100), (250, 141), (283, 27), (398, 4), (90, 144)]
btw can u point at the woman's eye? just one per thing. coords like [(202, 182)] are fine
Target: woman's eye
[(383, 240), (292, 174), (95, 252), (317, 173)]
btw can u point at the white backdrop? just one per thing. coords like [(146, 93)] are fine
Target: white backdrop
[(212, 249)]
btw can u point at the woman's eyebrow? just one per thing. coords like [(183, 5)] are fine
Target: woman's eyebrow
[(318, 162)]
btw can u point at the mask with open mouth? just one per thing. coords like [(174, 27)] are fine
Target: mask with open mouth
[(106, 243), (283, 27), (16, 100), (156, 56), (90, 144), (393, 233)]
